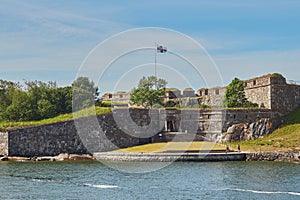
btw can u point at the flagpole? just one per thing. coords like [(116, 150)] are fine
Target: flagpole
[(155, 59)]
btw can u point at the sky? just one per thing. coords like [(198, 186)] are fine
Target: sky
[(54, 40)]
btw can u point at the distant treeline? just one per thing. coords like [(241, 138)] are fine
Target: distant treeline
[(36, 100)]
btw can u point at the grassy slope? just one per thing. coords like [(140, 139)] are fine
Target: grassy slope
[(285, 138), (60, 118), (167, 146)]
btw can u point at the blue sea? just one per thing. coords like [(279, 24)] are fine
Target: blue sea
[(94, 180)]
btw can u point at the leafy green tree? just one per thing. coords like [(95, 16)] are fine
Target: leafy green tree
[(150, 91), (19, 109), (235, 95), (38, 93), (46, 109), (85, 93), (7, 89), (38, 101), (63, 100)]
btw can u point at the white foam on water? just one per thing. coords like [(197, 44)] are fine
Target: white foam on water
[(101, 186), (262, 192), (46, 180)]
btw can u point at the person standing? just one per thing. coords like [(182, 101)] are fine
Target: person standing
[(227, 148)]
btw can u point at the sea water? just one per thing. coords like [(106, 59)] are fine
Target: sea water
[(191, 180)]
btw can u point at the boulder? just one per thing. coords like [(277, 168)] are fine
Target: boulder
[(248, 131), (62, 157), (4, 158)]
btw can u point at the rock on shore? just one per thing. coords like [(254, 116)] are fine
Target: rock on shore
[(60, 157), (274, 156), (248, 131)]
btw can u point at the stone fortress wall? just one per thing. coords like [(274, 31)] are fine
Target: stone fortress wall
[(63, 137), (271, 92)]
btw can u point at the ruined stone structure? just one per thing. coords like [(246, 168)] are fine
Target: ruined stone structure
[(269, 91), (212, 97), (123, 97)]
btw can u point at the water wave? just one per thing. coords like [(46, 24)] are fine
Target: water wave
[(262, 192), (86, 184), (46, 180), (101, 186)]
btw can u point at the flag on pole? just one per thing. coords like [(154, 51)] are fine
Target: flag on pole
[(161, 49)]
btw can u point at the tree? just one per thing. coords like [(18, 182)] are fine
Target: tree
[(150, 91), (42, 98), (34, 101), (235, 95), (85, 93), (63, 102), (19, 109), (7, 89), (46, 109)]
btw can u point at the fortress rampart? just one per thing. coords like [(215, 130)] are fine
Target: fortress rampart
[(63, 137)]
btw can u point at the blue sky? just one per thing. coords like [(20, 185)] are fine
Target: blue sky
[(49, 40)]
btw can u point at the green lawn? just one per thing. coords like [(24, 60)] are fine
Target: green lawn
[(60, 118), (171, 146), (285, 138)]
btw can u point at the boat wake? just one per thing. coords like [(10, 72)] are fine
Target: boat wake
[(46, 180), (101, 186), (85, 184), (262, 192)]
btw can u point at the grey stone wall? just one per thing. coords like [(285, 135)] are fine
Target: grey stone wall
[(63, 137), (260, 95), (47, 140), (272, 91), (122, 128), (285, 98), (3, 143), (212, 91)]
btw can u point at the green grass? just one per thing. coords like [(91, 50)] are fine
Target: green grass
[(60, 118), (283, 139), (172, 146)]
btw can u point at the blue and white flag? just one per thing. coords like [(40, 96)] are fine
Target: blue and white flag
[(161, 49)]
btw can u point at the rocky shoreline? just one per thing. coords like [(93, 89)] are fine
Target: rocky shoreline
[(60, 157), (274, 156), (292, 157)]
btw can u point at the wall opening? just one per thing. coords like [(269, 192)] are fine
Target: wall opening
[(206, 92), (217, 92)]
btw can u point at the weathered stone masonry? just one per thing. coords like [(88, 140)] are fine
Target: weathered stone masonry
[(53, 139), (271, 91), (3, 143), (63, 137)]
